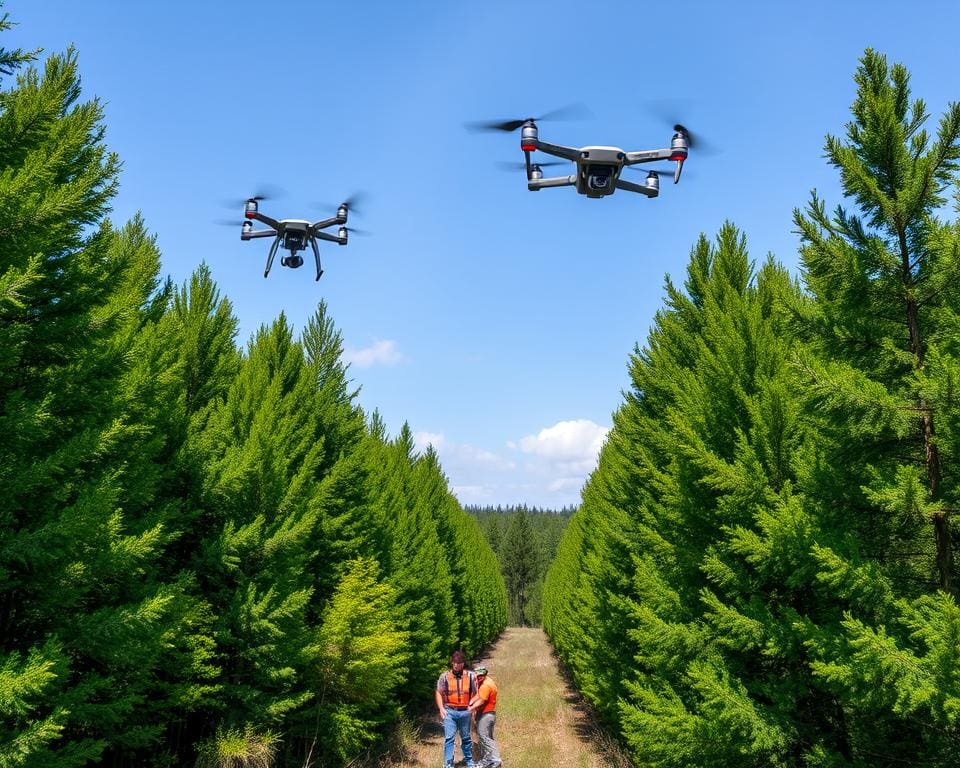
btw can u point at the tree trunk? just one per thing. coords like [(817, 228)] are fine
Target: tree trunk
[(941, 518)]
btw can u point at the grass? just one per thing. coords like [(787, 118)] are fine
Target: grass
[(239, 749), (541, 721)]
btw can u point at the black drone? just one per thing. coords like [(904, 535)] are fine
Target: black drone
[(598, 168), (293, 234)]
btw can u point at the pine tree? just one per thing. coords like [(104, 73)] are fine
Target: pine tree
[(520, 567), (87, 619), (418, 568), (884, 329)]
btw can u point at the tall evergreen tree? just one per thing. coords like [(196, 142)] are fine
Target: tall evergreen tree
[(520, 565), (882, 480), (762, 556), (86, 616)]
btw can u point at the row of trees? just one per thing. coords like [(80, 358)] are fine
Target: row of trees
[(762, 572), (525, 541), (208, 554)]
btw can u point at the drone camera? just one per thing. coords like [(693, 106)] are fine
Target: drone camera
[(599, 176), (293, 262)]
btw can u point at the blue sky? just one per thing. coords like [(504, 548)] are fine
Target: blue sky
[(498, 323)]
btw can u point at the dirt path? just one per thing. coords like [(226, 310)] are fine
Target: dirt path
[(541, 722)]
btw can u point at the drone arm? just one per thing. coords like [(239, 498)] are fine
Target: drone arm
[(316, 255), (324, 223), (273, 252), (657, 154), (631, 187), (258, 233), (647, 156), (558, 150), (329, 238), (263, 219), (557, 181)]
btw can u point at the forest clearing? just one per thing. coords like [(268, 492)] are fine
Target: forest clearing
[(541, 719)]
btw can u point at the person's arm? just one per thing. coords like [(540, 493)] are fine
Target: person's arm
[(440, 708), (475, 703)]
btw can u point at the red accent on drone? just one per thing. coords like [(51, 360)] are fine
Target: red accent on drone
[(676, 156), (528, 147), (248, 214)]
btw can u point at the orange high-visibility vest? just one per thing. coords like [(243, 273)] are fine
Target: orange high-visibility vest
[(488, 691), (458, 689)]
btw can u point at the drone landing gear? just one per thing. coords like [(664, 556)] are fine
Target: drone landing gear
[(316, 256), (294, 260), (273, 252)]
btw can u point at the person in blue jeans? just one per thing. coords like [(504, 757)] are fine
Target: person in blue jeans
[(455, 688)]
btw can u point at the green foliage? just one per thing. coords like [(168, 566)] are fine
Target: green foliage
[(524, 551), (763, 558), (207, 556), (361, 660)]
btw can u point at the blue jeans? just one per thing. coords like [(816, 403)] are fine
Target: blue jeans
[(457, 720)]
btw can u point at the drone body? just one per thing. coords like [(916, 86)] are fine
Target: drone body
[(293, 235), (599, 168)]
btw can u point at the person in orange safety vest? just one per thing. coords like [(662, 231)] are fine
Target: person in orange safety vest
[(455, 689), (485, 705)]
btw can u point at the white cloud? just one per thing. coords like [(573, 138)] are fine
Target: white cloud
[(578, 442), (422, 439), (381, 352), (459, 453), (545, 470), (566, 484), (471, 494)]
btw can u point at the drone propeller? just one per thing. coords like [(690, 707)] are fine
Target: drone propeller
[(693, 142), (229, 222), (263, 192), (569, 112), (350, 202), (689, 136), (360, 232), (517, 165), (667, 110)]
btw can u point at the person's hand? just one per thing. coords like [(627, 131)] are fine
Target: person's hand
[(443, 714)]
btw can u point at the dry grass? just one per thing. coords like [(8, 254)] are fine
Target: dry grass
[(541, 721)]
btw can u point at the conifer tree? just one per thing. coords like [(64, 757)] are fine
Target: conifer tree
[(520, 567), (418, 567), (762, 558), (86, 616), (882, 480)]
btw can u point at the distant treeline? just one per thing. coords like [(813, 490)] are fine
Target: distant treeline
[(209, 555), (525, 540), (763, 569)]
